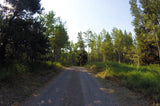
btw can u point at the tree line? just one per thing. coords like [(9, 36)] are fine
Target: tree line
[(121, 46), (28, 34), (117, 46)]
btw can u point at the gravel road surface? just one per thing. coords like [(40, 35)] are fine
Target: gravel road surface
[(73, 87)]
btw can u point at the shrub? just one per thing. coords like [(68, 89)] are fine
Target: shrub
[(21, 68)]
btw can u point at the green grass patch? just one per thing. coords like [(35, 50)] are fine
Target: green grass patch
[(144, 79)]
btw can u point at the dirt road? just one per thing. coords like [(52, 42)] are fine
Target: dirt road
[(73, 87)]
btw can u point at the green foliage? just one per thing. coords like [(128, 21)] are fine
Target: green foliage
[(146, 21), (117, 46), (57, 35), (48, 21), (123, 45), (82, 58), (21, 35), (21, 68), (88, 39), (82, 55), (9, 73), (71, 56), (81, 42), (120, 46), (107, 47), (26, 41), (144, 79)]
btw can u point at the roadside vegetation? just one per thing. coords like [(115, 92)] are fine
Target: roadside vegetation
[(32, 46), (33, 43), (7, 75), (143, 79), (19, 82)]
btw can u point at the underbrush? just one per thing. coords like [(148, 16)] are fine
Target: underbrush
[(67, 64), (11, 71), (19, 81), (143, 79)]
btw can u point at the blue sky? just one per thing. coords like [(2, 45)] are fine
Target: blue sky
[(81, 15)]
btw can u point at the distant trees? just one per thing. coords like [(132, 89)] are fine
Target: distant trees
[(108, 50), (116, 46), (123, 44), (118, 43), (77, 54), (72, 54), (88, 35), (82, 54)]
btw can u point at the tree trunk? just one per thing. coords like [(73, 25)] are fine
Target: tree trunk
[(119, 57), (157, 39), (88, 55), (104, 57), (158, 46)]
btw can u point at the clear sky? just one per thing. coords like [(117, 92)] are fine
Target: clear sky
[(82, 15)]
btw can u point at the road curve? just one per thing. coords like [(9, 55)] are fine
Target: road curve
[(73, 87)]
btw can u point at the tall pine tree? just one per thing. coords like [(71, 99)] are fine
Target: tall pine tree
[(146, 21)]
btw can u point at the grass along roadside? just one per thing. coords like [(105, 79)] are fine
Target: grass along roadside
[(144, 79), (16, 87)]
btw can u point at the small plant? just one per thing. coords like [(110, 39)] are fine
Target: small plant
[(108, 67), (21, 68)]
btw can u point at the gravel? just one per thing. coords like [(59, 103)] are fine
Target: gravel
[(73, 87)]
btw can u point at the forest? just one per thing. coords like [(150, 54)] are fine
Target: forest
[(31, 37), (28, 34)]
